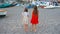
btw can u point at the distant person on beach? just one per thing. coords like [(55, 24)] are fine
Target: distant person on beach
[(34, 19), (25, 19)]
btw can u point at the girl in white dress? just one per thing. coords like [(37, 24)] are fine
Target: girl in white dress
[(25, 15)]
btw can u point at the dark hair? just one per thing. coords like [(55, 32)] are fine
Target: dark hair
[(35, 11), (25, 10), (35, 7)]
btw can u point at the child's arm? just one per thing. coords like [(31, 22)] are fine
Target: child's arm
[(38, 15)]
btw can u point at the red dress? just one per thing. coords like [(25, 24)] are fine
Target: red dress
[(34, 19)]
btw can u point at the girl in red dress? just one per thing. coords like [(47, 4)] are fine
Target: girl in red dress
[(34, 19)]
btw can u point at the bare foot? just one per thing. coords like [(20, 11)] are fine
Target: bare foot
[(26, 30), (35, 30)]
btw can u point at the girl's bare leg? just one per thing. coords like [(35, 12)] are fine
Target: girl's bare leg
[(34, 28), (26, 27)]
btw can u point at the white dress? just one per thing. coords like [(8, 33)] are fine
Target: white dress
[(25, 17)]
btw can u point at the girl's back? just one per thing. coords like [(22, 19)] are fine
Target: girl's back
[(34, 19), (25, 14)]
